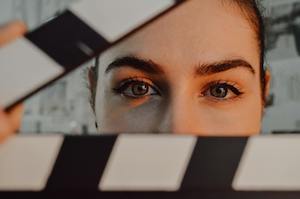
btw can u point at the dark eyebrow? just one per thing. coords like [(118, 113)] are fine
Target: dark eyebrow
[(222, 66), (202, 69), (137, 63)]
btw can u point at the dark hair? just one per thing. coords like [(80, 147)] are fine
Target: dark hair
[(252, 10)]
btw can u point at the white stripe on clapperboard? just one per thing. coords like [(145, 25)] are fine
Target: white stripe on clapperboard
[(114, 18), (147, 163), (26, 162), (270, 163), (110, 18), (18, 62)]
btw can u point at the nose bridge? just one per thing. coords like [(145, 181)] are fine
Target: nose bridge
[(179, 116)]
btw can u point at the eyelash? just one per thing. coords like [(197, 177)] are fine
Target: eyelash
[(233, 87), (123, 85)]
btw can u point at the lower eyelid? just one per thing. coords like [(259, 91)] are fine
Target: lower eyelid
[(213, 100)]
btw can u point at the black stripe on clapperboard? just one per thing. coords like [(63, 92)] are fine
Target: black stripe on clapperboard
[(80, 163), (70, 42), (213, 163)]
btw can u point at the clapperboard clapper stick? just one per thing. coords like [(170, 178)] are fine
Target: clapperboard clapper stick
[(66, 42), (150, 166)]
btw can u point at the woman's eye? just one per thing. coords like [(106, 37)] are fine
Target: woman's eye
[(222, 91), (136, 89), (218, 91)]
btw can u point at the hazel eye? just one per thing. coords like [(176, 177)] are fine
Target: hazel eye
[(139, 88), (219, 91), (222, 91), (136, 89)]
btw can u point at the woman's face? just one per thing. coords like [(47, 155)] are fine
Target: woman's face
[(194, 71)]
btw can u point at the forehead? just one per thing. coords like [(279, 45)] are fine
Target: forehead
[(197, 31)]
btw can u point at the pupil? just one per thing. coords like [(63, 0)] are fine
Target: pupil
[(140, 89), (219, 91)]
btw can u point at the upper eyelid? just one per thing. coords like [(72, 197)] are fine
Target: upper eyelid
[(138, 79), (233, 84), (222, 82)]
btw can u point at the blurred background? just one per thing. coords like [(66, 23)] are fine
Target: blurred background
[(64, 106)]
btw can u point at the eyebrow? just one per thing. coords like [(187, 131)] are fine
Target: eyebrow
[(144, 65), (222, 66), (202, 69)]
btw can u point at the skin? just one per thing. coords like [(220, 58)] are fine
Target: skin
[(10, 121), (181, 96)]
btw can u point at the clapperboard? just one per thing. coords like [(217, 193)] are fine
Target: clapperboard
[(150, 166), (84, 30)]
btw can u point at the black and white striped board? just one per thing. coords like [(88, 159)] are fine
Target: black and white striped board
[(66, 42), (147, 166)]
